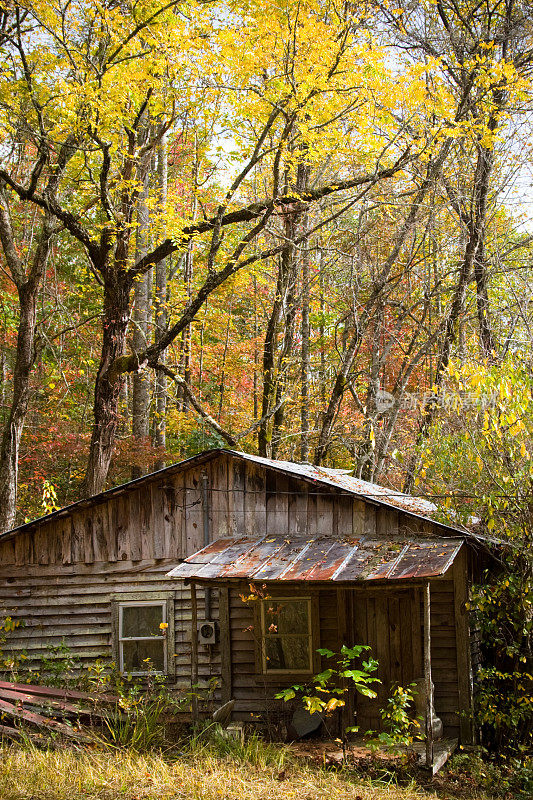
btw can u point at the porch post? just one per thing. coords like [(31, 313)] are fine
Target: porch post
[(427, 676), (194, 652)]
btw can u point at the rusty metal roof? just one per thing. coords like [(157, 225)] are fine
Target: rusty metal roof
[(322, 558), (342, 479)]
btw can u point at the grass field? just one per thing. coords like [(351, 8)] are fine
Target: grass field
[(264, 773)]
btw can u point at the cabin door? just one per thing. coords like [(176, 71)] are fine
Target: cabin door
[(390, 622)]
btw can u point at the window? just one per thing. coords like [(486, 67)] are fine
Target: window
[(286, 635), (143, 634)]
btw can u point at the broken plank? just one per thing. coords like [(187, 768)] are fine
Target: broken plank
[(52, 691), (43, 722)]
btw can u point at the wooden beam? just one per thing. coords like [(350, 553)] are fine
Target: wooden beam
[(462, 642), (194, 652), (427, 676), (225, 644)]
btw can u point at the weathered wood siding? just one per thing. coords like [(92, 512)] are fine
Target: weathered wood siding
[(60, 577)]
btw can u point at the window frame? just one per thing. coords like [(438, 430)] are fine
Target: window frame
[(261, 662), (165, 600)]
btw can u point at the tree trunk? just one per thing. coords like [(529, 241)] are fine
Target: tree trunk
[(28, 290), (108, 384), (161, 316), (305, 365), (141, 318)]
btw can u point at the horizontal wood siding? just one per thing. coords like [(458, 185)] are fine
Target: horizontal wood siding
[(254, 695), (74, 606)]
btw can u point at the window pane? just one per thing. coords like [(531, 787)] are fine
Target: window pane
[(141, 620), (287, 653), (286, 616), (134, 654)]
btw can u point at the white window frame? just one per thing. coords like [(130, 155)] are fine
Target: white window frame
[(164, 600), (266, 635)]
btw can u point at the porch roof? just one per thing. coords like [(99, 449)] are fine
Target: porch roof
[(320, 558)]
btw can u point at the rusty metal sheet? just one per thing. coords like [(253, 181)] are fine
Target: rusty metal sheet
[(221, 551), (322, 558), (253, 558), (276, 566), (370, 560), (427, 559), (335, 557)]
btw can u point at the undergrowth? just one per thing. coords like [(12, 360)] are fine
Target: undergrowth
[(210, 767)]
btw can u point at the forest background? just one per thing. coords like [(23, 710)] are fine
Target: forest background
[(297, 228)]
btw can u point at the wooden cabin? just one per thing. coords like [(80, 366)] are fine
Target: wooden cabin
[(128, 574)]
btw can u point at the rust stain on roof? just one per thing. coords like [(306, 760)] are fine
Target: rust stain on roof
[(320, 558)]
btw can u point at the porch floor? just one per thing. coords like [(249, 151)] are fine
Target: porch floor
[(442, 750)]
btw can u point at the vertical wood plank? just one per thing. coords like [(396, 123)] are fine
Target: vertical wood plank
[(77, 539), (41, 545), (280, 520), (100, 537), (395, 641), (324, 515), (111, 528), (406, 639), (194, 651), (255, 500), (382, 645), (7, 552), (416, 634), (297, 509), (382, 522), (193, 510), (271, 507), (21, 549), (358, 518), (218, 487), (176, 504), (311, 512), (343, 639), (158, 522), (140, 542), (121, 512), (427, 676), (238, 488), (370, 521), (344, 517), (225, 644), (88, 538)]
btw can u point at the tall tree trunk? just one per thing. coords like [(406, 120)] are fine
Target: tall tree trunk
[(161, 315), (28, 289), (108, 384), (140, 417), (305, 366)]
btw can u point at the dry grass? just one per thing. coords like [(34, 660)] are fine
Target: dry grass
[(28, 773)]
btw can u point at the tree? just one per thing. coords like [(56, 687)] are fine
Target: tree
[(93, 50)]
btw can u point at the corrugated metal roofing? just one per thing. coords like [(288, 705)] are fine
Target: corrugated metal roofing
[(322, 558), (341, 479)]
